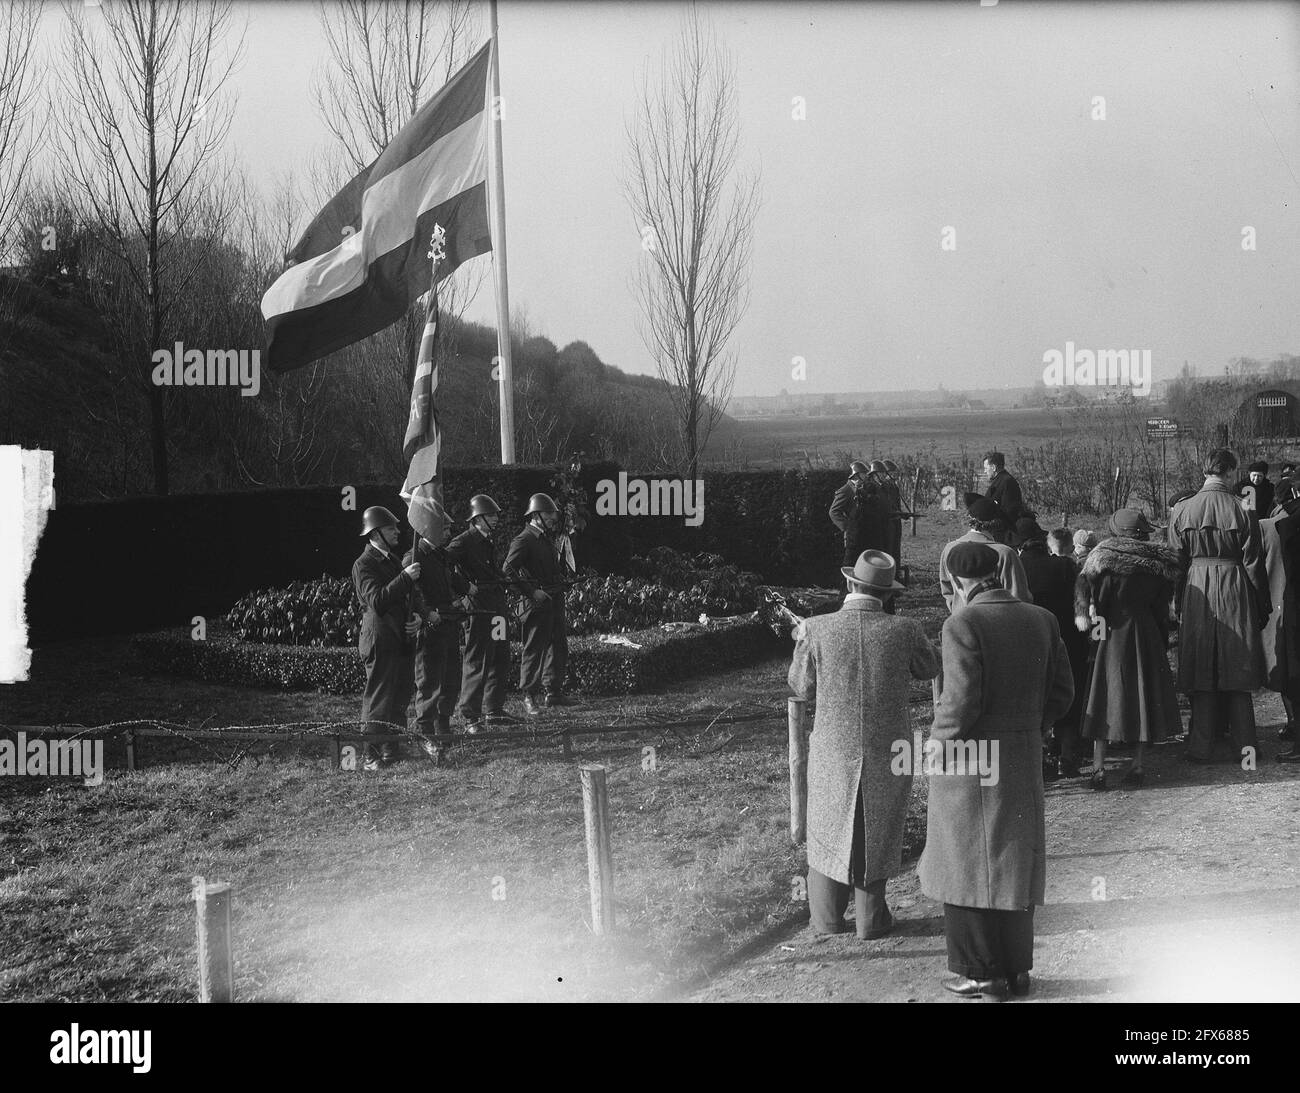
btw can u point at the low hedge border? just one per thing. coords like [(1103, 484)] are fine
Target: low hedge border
[(595, 667)]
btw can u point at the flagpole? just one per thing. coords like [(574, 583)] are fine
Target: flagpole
[(496, 167)]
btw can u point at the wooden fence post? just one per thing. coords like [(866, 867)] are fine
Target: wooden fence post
[(130, 749), (798, 709), (568, 745), (600, 861), (216, 964)]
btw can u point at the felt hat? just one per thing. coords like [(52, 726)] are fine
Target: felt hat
[(874, 572), (1026, 530), (1129, 522), (980, 507)]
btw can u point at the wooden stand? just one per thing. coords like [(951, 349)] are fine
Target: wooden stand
[(798, 708), (216, 965), (600, 862)]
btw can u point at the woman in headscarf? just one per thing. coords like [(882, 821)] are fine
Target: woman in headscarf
[(1122, 596), (1225, 604)]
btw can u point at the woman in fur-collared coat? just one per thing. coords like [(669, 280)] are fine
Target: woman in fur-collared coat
[(1128, 584)]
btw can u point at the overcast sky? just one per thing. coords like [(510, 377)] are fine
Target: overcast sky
[(1122, 233)]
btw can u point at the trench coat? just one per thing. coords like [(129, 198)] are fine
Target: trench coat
[(1130, 695), (856, 664), (1225, 595), (1281, 541), (1007, 680)]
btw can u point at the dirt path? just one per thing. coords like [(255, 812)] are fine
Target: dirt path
[(1187, 889)]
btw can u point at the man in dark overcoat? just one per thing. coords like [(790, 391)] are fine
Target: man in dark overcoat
[(982, 514), (1004, 490), (856, 664), (388, 630), (1006, 681), (487, 642), (442, 593), (534, 568)]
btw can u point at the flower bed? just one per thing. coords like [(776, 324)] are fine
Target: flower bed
[(595, 667)]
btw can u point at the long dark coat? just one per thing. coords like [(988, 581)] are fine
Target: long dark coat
[(1131, 694), (1226, 592), (1006, 681), (861, 512), (1051, 580), (1005, 490), (1281, 541), (856, 664)]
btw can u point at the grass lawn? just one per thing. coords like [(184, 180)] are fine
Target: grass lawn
[(462, 882)]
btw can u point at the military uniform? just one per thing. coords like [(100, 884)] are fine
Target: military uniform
[(385, 593), (531, 563), (437, 652), (487, 662)]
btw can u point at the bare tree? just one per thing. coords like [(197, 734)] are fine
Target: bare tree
[(695, 212), (140, 119), (18, 22)]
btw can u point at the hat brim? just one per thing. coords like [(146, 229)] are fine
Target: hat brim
[(893, 587)]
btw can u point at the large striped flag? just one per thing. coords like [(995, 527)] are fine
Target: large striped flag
[(422, 444), (362, 260)]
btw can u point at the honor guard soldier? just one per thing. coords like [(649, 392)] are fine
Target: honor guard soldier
[(533, 568), (487, 646), (388, 630), (443, 601)]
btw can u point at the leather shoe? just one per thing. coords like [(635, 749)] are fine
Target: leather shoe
[(880, 931), (555, 698), (986, 990), (1018, 984), (531, 708), (1098, 780)]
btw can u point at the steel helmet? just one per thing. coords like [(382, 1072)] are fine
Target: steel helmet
[(541, 502), (376, 516), (877, 467), (482, 505), (891, 466), (857, 467)]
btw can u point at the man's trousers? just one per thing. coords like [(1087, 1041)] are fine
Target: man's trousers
[(437, 676), (828, 898), (486, 669), (988, 944), (546, 647), (390, 681)]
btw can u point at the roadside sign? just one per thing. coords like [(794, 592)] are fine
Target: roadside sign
[(1159, 428)]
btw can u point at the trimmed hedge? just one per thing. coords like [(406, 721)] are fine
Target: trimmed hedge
[(595, 667), (159, 561)]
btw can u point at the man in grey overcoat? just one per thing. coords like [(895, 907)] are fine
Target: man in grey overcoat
[(856, 664), (1007, 679)]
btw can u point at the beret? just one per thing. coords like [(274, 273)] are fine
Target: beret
[(972, 560), (1258, 465)]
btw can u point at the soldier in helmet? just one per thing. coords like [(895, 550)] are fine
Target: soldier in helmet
[(437, 651), (487, 647), (532, 565), (861, 513), (388, 630)]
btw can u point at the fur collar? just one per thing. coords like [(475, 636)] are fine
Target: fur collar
[(1125, 557)]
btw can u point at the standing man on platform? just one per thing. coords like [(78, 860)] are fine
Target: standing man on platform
[(437, 650), (487, 641), (388, 630), (534, 569), (1004, 491)]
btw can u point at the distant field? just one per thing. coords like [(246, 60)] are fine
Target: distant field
[(778, 440)]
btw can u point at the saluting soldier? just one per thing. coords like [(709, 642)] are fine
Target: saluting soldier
[(532, 565), (443, 598), (388, 630), (487, 647)]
